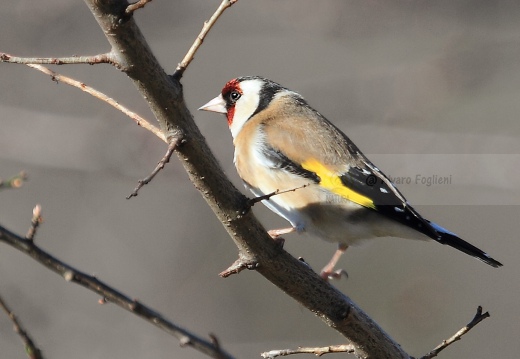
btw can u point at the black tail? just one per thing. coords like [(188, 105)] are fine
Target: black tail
[(450, 239)]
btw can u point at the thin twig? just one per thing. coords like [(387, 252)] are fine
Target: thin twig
[(136, 6), (83, 87), (179, 71), (15, 181), (110, 294), (479, 316), (160, 165), (35, 222), (252, 201), (30, 348), (345, 348), (71, 60)]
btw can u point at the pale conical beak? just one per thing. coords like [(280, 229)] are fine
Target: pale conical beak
[(216, 105)]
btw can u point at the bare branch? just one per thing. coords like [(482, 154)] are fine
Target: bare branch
[(238, 266), (344, 348), (160, 165), (479, 316), (35, 222), (109, 294), (30, 348), (72, 60), (136, 6), (83, 87), (255, 200), (15, 181), (179, 71)]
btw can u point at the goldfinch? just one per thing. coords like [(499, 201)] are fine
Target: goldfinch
[(325, 185)]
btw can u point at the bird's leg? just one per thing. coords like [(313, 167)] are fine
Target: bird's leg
[(276, 233), (328, 271)]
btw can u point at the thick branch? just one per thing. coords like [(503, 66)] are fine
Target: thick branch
[(110, 294), (165, 98)]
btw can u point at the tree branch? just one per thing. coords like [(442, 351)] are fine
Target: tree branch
[(160, 165), (179, 71), (479, 316), (91, 60), (31, 349), (140, 121), (136, 6), (344, 348), (110, 294)]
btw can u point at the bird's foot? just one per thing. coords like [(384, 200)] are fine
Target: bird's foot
[(328, 271), (336, 274)]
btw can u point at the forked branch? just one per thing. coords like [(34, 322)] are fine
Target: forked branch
[(110, 294), (479, 316)]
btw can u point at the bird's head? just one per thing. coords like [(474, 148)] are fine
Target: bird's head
[(242, 98)]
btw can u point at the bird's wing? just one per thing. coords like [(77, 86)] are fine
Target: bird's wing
[(305, 144), (317, 150)]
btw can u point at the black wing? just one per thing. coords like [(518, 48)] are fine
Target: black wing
[(369, 181), (281, 161)]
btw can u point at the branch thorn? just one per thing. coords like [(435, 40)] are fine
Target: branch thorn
[(238, 266)]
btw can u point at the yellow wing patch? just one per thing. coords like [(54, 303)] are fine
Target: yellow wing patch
[(333, 183)]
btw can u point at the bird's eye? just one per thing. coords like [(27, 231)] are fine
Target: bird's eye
[(234, 96)]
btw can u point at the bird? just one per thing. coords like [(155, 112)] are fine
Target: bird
[(314, 176)]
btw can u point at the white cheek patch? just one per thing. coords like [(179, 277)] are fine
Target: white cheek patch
[(246, 105)]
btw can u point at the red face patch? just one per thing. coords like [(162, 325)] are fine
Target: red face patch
[(231, 86)]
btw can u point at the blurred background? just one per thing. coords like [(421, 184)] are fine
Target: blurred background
[(424, 88)]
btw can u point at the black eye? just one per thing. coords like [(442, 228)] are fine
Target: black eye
[(234, 96)]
